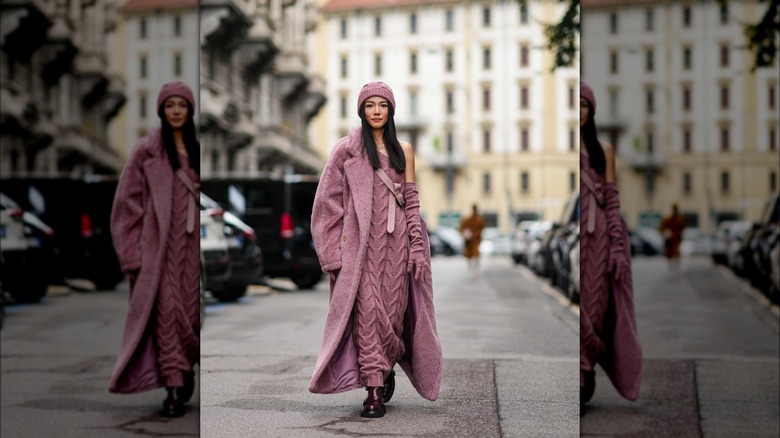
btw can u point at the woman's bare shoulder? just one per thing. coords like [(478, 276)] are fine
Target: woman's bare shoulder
[(407, 148)]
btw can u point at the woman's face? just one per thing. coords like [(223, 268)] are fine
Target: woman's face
[(584, 112), (175, 108), (377, 111)]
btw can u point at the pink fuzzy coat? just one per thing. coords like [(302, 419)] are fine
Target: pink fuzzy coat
[(140, 222), (340, 223)]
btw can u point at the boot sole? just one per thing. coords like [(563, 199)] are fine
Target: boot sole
[(373, 414)]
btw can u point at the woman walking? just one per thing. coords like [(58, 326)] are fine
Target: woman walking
[(608, 333), (370, 238), (155, 224)]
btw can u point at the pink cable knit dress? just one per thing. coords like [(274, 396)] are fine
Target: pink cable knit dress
[(383, 292), (594, 275), (177, 313)]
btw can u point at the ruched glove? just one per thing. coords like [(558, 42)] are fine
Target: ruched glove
[(618, 264), (416, 263)]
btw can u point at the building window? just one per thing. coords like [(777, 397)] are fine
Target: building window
[(343, 105), (450, 142), (413, 63), (687, 143), (687, 58), (343, 28), (613, 103), (572, 100), (724, 96), (377, 26), (413, 23), (344, 66), (572, 181), (687, 186), (524, 182), (613, 23), (486, 140), (142, 66), (613, 62), (524, 55), (142, 28), (724, 55), (523, 13), (649, 20), (413, 102), (686, 13), (650, 141), (449, 61), (572, 140), (177, 26), (649, 60), (772, 97), (772, 181), (177, 64), (649, 101), (450, 102), (524, 146), (377, 65), (486, 16), (686, 103), (486, 58), (724, 13), (724, 139), (448, 21), (772, 139), (486, 99), (725, 184), (524, 97), (142, 105), (486, 183)]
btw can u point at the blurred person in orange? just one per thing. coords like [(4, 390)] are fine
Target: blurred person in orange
[(671, 229), (471, 228)]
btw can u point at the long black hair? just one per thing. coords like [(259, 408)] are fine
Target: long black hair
[(191, 143), (598, 160), (393, 146)]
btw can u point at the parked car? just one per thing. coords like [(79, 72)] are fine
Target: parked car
[(541, 262), (451, 239), (246, 259), (215, 260), (79, 213), (494, 243), (774, 258), (559, 242), (646, 241), (279, 210), (725, 233), (694, 242), (524, 236), (573, 267), (763, 239), (25, 278)]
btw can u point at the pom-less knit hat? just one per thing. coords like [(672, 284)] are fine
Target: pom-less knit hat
[(175, 88), (375, 89), (587, 93)]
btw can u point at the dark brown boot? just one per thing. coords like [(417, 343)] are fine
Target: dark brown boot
[(389, 387), (373, 406), (184, 393), (172, 406)]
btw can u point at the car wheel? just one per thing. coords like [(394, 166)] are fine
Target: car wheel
[(229, 294), (307, 281)]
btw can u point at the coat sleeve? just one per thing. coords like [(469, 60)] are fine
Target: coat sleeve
[(327, 215), (127, 211)]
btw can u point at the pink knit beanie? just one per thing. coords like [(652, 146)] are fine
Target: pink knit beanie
[(375, 89), (175, 88), (587, 93)]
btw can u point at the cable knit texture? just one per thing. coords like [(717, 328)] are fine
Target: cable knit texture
[(383, 292), (608, 332), (349, 227), (178, 299)]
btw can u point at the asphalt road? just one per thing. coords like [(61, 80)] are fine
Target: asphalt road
[(56, 359), (711, 361), (510, 364)]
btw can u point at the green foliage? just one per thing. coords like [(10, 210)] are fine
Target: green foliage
[(562, 36)]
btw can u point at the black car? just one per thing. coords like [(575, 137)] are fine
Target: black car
[(560, 245), (756, 247), (279, 210), (79, 212), (246, 257)]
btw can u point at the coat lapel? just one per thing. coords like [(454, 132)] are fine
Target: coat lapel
[(159, 175), (360, 180)]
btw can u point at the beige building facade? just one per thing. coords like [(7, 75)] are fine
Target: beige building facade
[(691, 122), (490, 123)]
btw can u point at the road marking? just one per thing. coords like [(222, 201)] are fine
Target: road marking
[(749, 290), (547, 289)]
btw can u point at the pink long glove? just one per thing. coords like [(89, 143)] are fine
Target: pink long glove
[(416, 261), (618, 264)]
